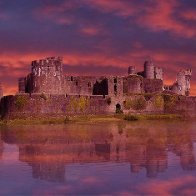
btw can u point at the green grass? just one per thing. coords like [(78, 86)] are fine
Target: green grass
[(61, 120), (134, 117), (89, 119)]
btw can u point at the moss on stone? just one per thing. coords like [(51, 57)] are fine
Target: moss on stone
[(20, 102), (78, 104), (138, 103), (158, 101), (169, 101), (135, 104)]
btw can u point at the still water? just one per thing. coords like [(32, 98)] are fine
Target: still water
[(136, 158)]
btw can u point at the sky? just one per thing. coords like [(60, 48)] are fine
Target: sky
[(97, 37)]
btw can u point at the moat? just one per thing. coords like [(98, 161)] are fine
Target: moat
[(113, 158)]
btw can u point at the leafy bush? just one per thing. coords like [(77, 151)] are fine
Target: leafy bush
[(138, 104), (127, 104), (135, 104), (131, 117), (158, 101), (78, 104), (169, 101), (21, 101), (83, 103), (119, 111), (43, 96)]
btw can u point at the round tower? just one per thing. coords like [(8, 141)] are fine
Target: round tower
[(47, 76), (181, 82), (131, 70), (149, 70), (134, 84)]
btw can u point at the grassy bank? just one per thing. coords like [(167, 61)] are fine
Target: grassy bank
[(89, 119), (61, 120), (135, 117)]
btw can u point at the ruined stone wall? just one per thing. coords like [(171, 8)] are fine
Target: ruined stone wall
[(144, 103), (47, 76), (86, 85), (150, 86), (133, 84), (115, 86), (79, 85), (38, 105), (180, 105)]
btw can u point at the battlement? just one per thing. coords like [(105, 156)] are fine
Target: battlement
[(49, 61), (188, 72)]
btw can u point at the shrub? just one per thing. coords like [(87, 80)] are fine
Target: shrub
[(158, 101), (83, 103), (119, 111), (131, 117), (138, 104), (43, 96), (20, 102), (169, 101), (79, 103), (127, 104)]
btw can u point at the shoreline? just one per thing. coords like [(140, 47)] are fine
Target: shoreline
[(91, 119)]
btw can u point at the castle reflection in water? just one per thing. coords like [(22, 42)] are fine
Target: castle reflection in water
[(48, 149)]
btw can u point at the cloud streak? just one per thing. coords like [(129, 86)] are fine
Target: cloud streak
[(104, 35)]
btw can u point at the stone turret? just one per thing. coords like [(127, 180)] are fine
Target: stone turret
[(47, 76), (158, 73), (131, 70), (183, 82), (149, 70)]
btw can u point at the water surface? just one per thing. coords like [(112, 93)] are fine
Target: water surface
[(147, 157)]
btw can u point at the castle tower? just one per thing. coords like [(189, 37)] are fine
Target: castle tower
[(149, 70), (188, 73), (183, 81), (47, 76), (158, 73), (131, 70)]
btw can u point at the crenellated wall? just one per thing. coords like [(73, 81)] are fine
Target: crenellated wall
[(47, 76)]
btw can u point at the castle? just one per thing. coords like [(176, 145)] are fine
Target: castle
[(47, 77), (46, 91)]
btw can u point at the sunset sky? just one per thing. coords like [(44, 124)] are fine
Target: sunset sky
[(97, 37)]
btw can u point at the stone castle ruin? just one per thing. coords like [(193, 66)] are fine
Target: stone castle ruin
[(46, 91), (47, 77)]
